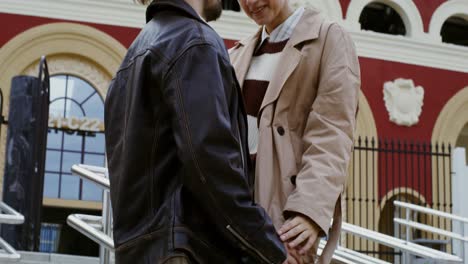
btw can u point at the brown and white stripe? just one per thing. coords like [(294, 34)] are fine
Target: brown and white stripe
[(262, 67), (264, 62)]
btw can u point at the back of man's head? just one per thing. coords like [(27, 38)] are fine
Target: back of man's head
[(143, 2)]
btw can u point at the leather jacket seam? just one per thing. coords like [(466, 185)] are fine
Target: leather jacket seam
[(175, 59), (192, 153), (154, 147), (131, 61)]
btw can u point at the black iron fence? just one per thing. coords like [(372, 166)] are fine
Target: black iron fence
[(386, 170)]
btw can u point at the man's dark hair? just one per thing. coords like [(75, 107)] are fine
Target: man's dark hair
[(143, 2)]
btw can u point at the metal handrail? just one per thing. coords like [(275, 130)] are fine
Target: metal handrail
[(97, 228), (405, 246), (92, 173), (426, 210), (10, 253), (412, 224), (88, 225), (10, 216), (345, 255), (431, 229)]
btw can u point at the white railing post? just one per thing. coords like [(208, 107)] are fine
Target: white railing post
[(459, 198), (105, 253), (407, 229), (397, 234)]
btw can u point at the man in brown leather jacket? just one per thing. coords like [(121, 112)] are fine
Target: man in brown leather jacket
[(176, 145)]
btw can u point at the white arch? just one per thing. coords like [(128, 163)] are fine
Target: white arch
[(406, 9), (70, 48), (330, 8), (452, 119), (444, 12)]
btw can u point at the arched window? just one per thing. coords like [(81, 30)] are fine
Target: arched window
[(379, 17), (455, 31), (75, 136)]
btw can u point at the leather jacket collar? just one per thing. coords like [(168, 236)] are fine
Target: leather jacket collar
[(180, 5)]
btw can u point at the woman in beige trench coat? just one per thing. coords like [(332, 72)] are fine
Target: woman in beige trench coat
[(301, 79)]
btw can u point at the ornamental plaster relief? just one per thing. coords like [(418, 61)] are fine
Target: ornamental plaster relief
[(403, 101), (77, 66)]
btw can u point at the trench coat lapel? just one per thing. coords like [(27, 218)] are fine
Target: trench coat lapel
[(291, 55), (242, 61), (289, 61)]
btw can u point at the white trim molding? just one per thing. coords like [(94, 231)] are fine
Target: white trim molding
[(110, 12), (411, 51), (234, 25), (408, 11), (330, 8), (445, 11)]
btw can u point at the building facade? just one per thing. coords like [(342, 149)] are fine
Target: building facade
[(414, 67)]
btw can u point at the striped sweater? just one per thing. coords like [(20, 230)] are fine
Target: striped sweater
[(262, 67)]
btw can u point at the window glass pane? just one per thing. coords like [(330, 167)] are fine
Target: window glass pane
[(52, 160), (94, 107), (57, 86), (455, 31), (78, 89), (56, 108), (72, 141), (70, 159), (54, 139), (73, 109), (70, 187), (95, 160), (51, 185), (91, 192), (95, 144), (382, 18)]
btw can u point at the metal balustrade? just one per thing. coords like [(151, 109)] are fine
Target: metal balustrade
[(97, 228), (407, 247), (9, 216), (409, 224)]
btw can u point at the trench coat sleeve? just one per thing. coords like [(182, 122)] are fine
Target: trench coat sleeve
[(329, 132), (200, 90)]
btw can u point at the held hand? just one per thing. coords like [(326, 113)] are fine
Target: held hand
[(292, 257), (299, 230)]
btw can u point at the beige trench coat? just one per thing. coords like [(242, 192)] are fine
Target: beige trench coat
[(306, 123)]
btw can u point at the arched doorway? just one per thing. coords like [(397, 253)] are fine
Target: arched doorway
[(462, 140), (387, 225)]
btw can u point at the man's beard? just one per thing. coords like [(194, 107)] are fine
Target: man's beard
[(213, 12)]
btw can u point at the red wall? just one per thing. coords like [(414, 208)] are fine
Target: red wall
[(15, 24), (344, 6), (19, 23), (426, 9), (439, 86)]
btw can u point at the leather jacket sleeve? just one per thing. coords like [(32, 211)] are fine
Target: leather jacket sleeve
[(198, 88)]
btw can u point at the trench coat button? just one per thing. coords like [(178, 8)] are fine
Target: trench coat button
[(280, 130)]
